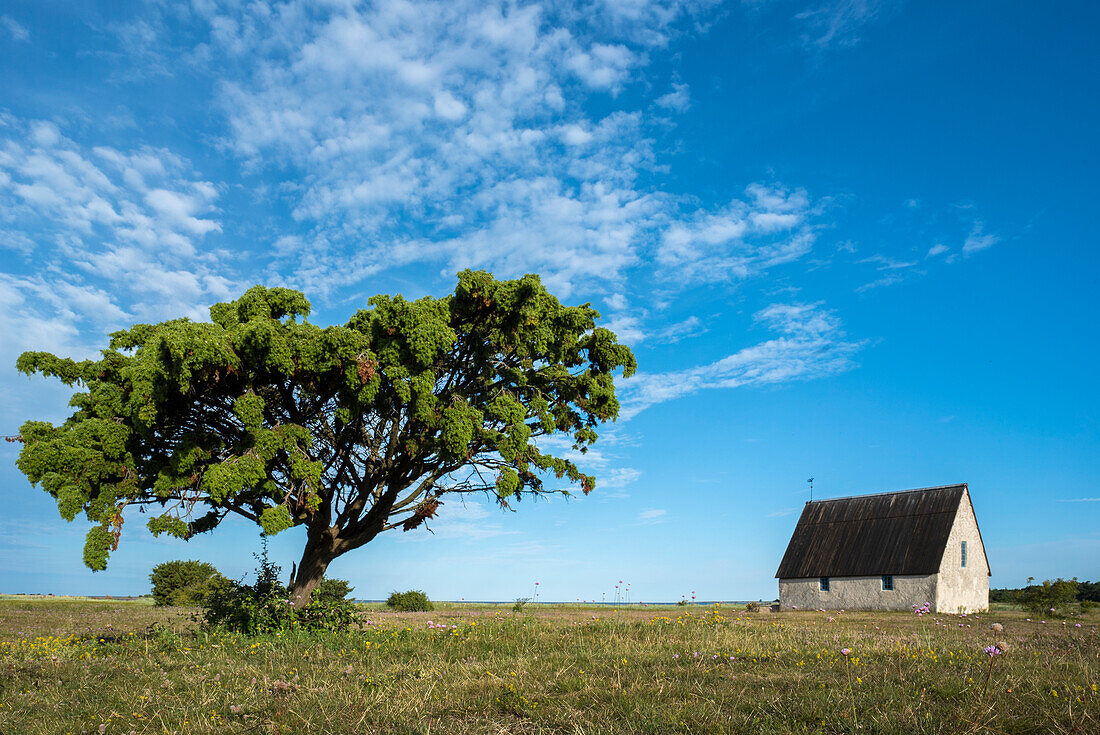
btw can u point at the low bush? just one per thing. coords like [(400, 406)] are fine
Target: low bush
[(179, 583), (263, 607), (332, 590), (411, 601)]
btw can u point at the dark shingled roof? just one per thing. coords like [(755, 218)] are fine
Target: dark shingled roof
[(868, 535)]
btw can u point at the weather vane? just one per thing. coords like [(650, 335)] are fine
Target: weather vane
[(811, 481)]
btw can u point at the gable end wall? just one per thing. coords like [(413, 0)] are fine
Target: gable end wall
[(963, 589)]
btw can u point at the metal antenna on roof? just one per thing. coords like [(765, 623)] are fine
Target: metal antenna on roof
[(811, 481)]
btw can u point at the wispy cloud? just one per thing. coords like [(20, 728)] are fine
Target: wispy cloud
[(472, 520), (770, 227), (461, 135), (652, 516), (812, 344), (467, 118), (887, 280), (839, 23), (634, 329), (979, 240), (618, 477), (15, 29), (106, 236), (1079, 500), (886, 263)]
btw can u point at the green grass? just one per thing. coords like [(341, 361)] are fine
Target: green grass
[(71, 665)]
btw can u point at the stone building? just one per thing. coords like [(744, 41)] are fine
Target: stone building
[(887, 552)]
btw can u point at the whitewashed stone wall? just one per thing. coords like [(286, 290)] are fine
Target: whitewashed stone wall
[(858, 593), (963, 589)]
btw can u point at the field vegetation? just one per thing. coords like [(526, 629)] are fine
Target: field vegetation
[(93, 666)]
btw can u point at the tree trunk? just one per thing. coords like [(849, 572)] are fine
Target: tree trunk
[(310, 572)]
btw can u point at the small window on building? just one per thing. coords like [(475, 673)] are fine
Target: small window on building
[(964, 553), (888, 581), (824, 584)]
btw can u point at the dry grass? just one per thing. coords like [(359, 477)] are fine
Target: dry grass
[(79, 666)]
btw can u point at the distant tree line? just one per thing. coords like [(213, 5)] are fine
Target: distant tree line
[(1050, 594)]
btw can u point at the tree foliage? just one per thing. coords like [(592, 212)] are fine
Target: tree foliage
[(349, 430), (1053, 595)]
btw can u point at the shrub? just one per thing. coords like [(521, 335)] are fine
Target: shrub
[(179, 583), (332, 590), (411, 601), (752, 607), (520, 602), (1050, 596), (263, 607)]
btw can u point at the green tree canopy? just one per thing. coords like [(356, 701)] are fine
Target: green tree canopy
[(347, 430)]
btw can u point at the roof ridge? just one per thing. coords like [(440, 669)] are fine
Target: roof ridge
[(879, 518), (891, 492)]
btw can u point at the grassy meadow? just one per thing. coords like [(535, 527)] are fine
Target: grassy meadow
[(89, 666)]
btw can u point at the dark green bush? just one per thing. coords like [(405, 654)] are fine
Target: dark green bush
[(181, 583), (411, 601), (332, 590), (263, 607)]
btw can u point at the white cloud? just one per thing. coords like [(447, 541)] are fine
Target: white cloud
[(678, 100), (771, 227), (17, 30), (978, 240), (632, 330), (617, 477), (837, 23), (449, 107), (811, 345), (887, 280), (106, 236), (472, 520), (937, 249), (604, 66), (886, 263), (651, 516), (456, 134)]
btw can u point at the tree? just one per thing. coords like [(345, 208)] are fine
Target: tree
[(348, 430), (1052, 595)]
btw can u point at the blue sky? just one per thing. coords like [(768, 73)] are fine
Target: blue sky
[(847, 239)]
